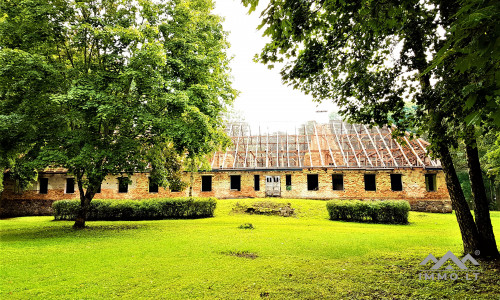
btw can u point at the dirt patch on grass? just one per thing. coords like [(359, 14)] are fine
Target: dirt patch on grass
[(244, 254), (265, 208)]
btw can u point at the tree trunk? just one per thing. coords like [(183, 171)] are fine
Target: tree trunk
[(191, 182), (497, 195), (191, 177), (470, 236), (2, 171), (82, 212), (481, 210), (85, 199)]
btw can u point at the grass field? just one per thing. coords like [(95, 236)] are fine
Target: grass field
[(302, 257)]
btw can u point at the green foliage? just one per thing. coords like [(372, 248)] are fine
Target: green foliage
[(391, 212), (246, 226), (463, 177), (147, 209), (371, 57), (491, 160), (473, 51), (373, 60), (344, 52), (490, 164), (25, 111), (111, 87)]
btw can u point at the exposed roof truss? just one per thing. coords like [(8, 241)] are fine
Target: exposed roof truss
[(334, 145)]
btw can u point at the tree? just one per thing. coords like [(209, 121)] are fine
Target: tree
[(369, 57), (486, 144), (25, 114), (471, 49), (491, 165), (132, 85), (471, 54)]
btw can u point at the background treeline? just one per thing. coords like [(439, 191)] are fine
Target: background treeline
[(489, 153)]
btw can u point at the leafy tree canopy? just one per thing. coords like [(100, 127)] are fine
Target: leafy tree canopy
[(473, 50), (371, 57), (111, 87)]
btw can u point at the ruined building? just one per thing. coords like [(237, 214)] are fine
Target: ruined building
[(317, 161)]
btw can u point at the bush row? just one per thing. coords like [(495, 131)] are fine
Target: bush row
[(146, 209), (392, 212)]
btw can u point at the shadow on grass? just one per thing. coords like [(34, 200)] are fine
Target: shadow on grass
[(68, 232), (369, 222)]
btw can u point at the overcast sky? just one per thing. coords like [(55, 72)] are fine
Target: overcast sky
[(263, 98)]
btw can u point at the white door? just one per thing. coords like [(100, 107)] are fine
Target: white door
[(273, 186)]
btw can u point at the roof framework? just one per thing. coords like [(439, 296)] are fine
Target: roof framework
[(333, 145)]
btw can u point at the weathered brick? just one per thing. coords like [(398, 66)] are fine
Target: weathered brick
[(414, 190)]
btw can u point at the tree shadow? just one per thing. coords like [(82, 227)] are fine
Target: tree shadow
[(92, 231)]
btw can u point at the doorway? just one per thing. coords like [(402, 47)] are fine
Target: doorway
[(273, 186)]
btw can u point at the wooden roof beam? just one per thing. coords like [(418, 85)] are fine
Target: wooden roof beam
[(246, 150), (414, 152), (287, 154), (387, 147), (277, 150), (225, 154), (329, 149), (267, 150), (237, 145), (350, 144), (298, 148), (319, 147), (433, 163), (400, 148), (340, 145), (362, 146), (375, 147), (308, 147)]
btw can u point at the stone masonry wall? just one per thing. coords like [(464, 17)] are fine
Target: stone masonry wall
[(414, 190)]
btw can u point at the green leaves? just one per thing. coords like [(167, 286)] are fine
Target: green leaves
[(371, 58), (472, 52), (104, 85)]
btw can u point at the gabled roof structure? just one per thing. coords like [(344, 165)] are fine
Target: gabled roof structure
[(334, 145)]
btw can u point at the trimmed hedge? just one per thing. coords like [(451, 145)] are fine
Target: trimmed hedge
[(145, 209), (391, 212)]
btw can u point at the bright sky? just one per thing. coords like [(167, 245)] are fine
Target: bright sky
[(264, 100)]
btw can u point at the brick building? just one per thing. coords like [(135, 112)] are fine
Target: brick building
[(317, 161)]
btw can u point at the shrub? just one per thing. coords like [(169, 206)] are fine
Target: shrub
[(392, 212), (246, 226), (146, 209)]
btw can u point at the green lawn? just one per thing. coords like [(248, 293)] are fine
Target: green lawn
[(302, 257)]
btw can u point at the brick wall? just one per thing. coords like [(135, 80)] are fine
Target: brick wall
[(414, 189)]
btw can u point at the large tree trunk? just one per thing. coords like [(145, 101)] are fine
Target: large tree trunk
[(191, 177), (82, 212), (497, 195), (191, 182), (85, 199), (481, 210), (470, 235), (2, 171)]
